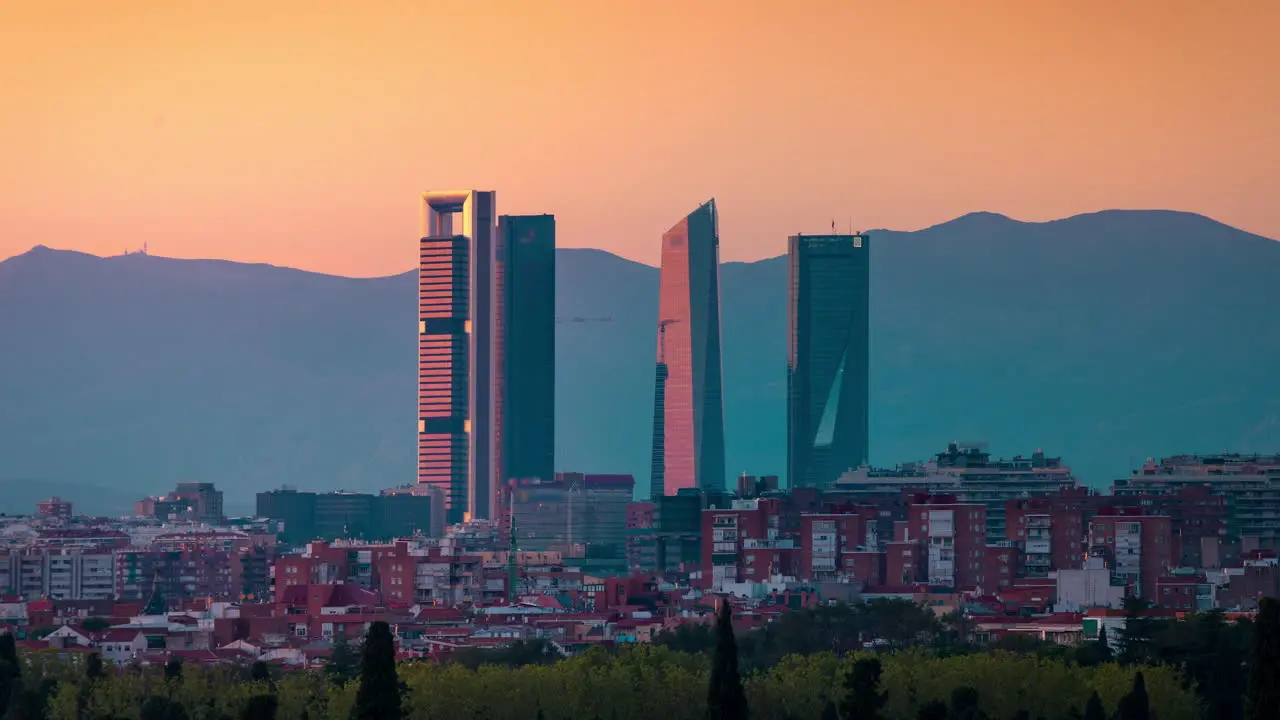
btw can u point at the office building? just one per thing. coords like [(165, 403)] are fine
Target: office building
[(526, 323), (688, 435), (459, 351), (583, 516), (195, 501), (299, 517), (827, 356)]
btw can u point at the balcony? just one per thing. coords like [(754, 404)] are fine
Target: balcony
[(778, 544), (1038, 547)]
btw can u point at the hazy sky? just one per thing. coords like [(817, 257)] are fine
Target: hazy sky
[(302, 133)]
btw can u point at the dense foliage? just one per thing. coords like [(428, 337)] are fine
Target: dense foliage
[(634, 683), (883, 660)]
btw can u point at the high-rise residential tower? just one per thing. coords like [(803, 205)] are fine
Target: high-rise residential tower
[(688, 436), (827, 356), (459, 351), (527, 323)]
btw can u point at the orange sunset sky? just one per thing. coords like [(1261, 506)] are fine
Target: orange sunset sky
[(300, 133)]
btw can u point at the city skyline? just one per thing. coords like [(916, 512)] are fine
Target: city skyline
[(996, 454), (307, 122)]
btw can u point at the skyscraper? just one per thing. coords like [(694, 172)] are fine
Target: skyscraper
[(688, 435), (827, 356), (527, 422), (459, 350)]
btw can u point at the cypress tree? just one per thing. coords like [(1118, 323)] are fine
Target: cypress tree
[(155, 707), (1097, 652), (10, 673), (1104, 646), (964, 704), (1263, 701), (259, 672), (1093, 709), (379, 695), (93, 668), (1135, 636), (863, 699), (158, 707), (726, 700), (173, 670), (30, 706), (261, 707), (8, 650), (1136, 705), (932, 710), (33, 703)]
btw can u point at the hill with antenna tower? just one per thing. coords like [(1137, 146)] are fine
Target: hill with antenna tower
[(1103, 338)]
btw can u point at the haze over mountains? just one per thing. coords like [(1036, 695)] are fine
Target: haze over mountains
[(1104, 338)]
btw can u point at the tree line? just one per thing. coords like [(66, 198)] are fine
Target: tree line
[(785, 671)]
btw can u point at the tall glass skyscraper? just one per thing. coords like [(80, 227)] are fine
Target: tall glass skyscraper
[(459, 351), (527, 323), (688, 436), (827, 356)]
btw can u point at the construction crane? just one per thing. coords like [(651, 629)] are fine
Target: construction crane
[(662, 337), (562, 320)]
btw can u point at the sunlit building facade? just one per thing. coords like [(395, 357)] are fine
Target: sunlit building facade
[(459, 351), (688, 437), (827, 356)]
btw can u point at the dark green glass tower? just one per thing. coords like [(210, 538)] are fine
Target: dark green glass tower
[(827, 356), (527, 382)]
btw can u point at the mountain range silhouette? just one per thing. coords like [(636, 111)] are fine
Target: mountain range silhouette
[(1104, 338)]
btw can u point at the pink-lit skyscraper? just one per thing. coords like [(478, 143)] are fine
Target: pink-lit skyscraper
[(459, 290), (688, 421)]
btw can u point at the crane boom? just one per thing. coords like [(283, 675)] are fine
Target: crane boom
[(575, 319)]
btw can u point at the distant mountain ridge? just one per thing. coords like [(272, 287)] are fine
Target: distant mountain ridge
[(1104, 338)]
